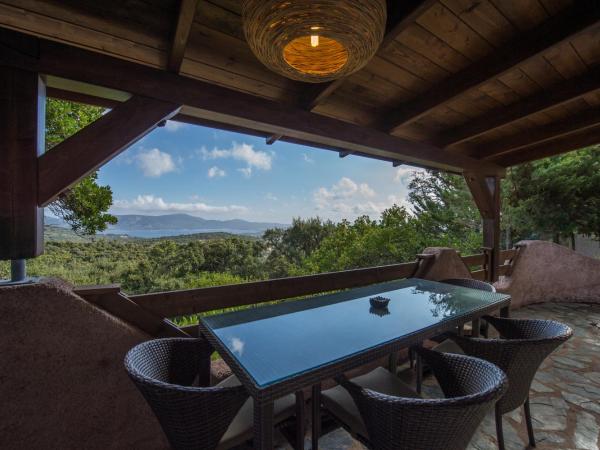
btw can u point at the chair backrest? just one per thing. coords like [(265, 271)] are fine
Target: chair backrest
[(471, 385), (523, 346), (470, 283), (165, 371)]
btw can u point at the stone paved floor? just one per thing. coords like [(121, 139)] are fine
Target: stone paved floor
[(565, 396)]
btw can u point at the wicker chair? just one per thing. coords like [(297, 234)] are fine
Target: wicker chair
[(169, 373), (521, 349), (446, 345), (384, 413), (470, 283)]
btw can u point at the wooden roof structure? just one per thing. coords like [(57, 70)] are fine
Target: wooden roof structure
[(457, 84), (466, 86)]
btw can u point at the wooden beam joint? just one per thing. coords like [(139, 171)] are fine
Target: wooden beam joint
[(85, 151)]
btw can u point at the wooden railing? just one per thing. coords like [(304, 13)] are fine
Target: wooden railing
[(148, 311)]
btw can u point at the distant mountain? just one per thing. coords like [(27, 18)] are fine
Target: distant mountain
[(187, 222), (54, 222)]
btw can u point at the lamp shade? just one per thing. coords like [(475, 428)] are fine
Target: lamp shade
[(314, 40)]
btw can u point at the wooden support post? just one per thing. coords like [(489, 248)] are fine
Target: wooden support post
[(22, 115), (486, 193)]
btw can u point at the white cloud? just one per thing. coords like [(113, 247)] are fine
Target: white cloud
[(155, 163), (308, 159), (348, 197), (153, 204), (405, 173), (271, 197), (246, 171), (173, 126), (254, 159), (215, 172)]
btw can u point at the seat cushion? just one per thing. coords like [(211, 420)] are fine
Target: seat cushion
[(341, 405), (448, 346), (241, 428)]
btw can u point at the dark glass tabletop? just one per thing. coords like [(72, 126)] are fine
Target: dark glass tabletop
[(275, 342)]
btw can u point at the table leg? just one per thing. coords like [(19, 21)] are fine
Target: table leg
[(393, 362), (316, 415), (419, 380), (486, 329), (505, 311), (475, 327), (263, 426), (300, 420)]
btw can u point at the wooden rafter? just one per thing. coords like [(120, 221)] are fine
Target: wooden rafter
[(565, 26), (227, 106), (563, 144), (573, 124), (561, 93), (273, 138), (185, 18), (400, 15), (85, 151)]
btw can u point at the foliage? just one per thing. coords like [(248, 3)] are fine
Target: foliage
[(558, 196), (289, 247), (446, 213), (366, 242), (85, 205)]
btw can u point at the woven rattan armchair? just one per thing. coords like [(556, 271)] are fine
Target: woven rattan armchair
[(173, 376), (521, 349), (385, 414), (470, 283), (448, 346)]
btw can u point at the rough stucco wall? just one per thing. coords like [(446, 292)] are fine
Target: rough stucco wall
[(62, 381), (547, 272), (447, 264)]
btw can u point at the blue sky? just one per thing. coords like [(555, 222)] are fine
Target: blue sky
[(216, 174)]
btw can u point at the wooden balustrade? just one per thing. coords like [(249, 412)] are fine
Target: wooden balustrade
[(148, 311), (190, 301)]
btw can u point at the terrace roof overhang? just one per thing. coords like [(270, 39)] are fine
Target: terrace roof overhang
[(463, 87)]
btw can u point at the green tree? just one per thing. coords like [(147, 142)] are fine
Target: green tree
[(558, 196), (288, 248), (366, 242), (446, 213), (84, 207)]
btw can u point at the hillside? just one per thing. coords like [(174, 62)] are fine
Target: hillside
[(53, 233), (187, 222)]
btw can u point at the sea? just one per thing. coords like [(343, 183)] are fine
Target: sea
[(178, 232)]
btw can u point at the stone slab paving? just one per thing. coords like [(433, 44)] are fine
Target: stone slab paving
[(565, 396)]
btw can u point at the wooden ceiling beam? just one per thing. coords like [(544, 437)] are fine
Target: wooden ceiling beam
[(400, 15), (223, 105), (563, 144), (79, 155), (563, 92), (575, 20), (185, 18), (63, 94), (578, 122)]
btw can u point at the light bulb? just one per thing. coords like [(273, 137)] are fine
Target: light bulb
[(314, 40)]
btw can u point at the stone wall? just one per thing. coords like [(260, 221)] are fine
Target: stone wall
[(543, 272), (547, 272), (62, 380)]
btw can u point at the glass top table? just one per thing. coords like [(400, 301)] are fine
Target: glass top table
[(281, 348)]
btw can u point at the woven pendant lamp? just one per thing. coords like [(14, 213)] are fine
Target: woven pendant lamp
[(314, 40)]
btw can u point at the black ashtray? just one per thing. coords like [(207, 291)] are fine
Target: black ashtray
[(379, 311), (379, 301)]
